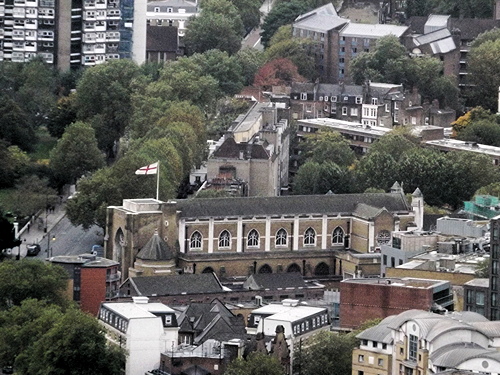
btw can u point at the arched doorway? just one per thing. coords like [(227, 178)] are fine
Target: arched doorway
[(322, 269), (118, 245), (293, 268), (208, 270), (266, 268)]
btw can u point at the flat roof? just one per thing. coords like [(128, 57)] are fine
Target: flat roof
[(346, 126), (372, 31), (131, 310), (454, 144), (410, 282), (296, 313)]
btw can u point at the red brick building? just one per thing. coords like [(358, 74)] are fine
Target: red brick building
[(367, 299)]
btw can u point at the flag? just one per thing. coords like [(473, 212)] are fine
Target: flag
[(148, 169)]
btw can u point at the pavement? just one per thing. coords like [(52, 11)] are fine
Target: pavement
[(36, 232)]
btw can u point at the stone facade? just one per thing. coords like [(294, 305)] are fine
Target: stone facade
[(241, 236)]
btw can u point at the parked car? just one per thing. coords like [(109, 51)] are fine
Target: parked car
[(33, 250)]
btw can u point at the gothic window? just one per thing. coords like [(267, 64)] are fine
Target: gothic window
[(195, 242), (383, 237), (281, 237), (338, 236), (224, 239), (253, 238), (310, 237)]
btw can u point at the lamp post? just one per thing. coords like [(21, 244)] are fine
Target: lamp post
[(49, 249)]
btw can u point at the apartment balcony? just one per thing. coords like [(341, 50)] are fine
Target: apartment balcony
[(101, 4), (31, 3), (31, 25), (19, 2), (30, 48)]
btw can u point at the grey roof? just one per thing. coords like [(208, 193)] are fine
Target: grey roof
[(417, 193), (367, 212), (327, 9), (379, 333), (451, 356), (432, 36), (489, 328), (372, 31), (290, 205), (435, 22), (320, 22), (480, 282), (443, 46), (176, 284), (188, 5), (275, 280), (156, 249)]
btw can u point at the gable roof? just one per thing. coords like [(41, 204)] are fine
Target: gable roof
[(274, 281), (231, 149), (156, 249), (176, 284), (331, 204)]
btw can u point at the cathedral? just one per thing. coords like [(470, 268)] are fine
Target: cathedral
[(237, 237)]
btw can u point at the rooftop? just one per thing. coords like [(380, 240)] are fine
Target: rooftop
[(365, 30)]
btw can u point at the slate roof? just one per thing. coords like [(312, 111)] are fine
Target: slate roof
[(379, 333), (289, 205), (156, 249), (211, 321), (161, 38), (275, 280), (451, 356), (176, 284), (231, 150), (367, 212)]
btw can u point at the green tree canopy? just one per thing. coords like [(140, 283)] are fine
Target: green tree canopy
[(32, 194), (484, 68), (326, 353), (104, 99), (328, 145), (482, 131), (41, 338), (283, 13), (217, 17), (26, 278), (249, 11), (250, 60), (320, 178), (76, 154), (255, 364)]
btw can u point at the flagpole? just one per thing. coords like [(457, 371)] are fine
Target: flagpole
[(158, 182)]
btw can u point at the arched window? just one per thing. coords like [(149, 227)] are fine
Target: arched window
[(195, 242), (383, 237), (266, 268), (224, 239), (310, 237), (338, 236), (253, 238), (281, 237)]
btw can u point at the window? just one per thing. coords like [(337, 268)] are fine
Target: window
[(480, 298), (412, 348), (361, 358), (195, 242), (387, 108), (168, 320), (253, 238), (375, 101), (326, 98), (359, 100), (354, 111), (338, 236), (303, 96), (384, 257), (310, 237), (380, 362), (344, 111), (333, 99), (281, 237), (224, 239)]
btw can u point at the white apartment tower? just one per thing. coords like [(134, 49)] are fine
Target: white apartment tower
[(71, 33)]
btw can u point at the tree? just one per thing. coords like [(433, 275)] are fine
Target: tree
[(490, 189), (319, 178), (249, 11), (395, 143), (13, 163), (255, 364), (484, 72), (490, 35), (282, 45), (41, 338), (376, 170), (26, 278), (224, 68), (31, 195), (327, 353), (61, 115), (250, 60), (7, 235), (76, 154), (283, 13), (483, 268), (331, 146), (104, 99), (15, 129), (482, 131), (279, 72), (475, 114), (217, 17)]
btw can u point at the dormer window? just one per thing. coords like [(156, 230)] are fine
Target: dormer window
[(303, 96), (359, 100)]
